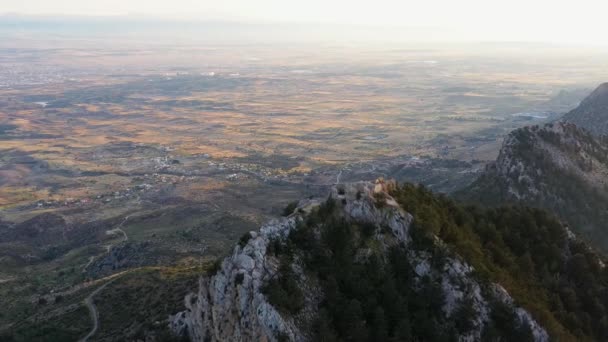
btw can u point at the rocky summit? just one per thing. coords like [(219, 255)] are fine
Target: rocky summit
[(238, 301)]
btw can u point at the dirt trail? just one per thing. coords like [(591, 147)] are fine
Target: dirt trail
[(91, 259), (6, 280), (89, 302), (75, 288), (117, 229)]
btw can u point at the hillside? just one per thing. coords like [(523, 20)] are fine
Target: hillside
[(385, 262), (592, 113), (557, 167)]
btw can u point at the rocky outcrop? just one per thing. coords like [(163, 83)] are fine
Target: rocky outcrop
[(557, 167), (122, 256), (530, 153), (231, 306)]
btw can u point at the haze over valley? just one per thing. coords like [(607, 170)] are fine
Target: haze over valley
[(136, 156)]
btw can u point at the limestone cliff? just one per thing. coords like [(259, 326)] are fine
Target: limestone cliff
[(231, 305)]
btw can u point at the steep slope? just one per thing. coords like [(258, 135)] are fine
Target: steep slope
[(359, 267), (592, 113), (557, 167)]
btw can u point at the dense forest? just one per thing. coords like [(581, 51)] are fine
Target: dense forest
[(559, 280)]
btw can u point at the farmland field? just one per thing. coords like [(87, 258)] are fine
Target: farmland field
[(130, 157)]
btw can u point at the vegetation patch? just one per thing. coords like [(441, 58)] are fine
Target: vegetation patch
[(138, 305), (526, 250), (371, 299)]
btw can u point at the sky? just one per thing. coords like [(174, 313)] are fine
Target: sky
[(557, 21)]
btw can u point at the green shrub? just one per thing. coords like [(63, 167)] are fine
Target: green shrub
[(283, 290), (244, 239), (290, 208)]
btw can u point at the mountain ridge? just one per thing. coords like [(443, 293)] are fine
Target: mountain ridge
[(557, 167), (274, 287)]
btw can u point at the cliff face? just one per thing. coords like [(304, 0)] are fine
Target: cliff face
[(231, 305)]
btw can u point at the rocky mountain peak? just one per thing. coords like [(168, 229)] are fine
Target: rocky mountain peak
[(530, 154), (592, 113), (600, 94), (558, 167), (232, 304)]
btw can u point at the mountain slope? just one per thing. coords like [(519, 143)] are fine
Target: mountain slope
[(557, 167), (359, 267), (592, 113)]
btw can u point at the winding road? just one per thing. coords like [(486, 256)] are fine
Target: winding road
[(90, 303), (113, 231), (119, 229), (89, 300), (338, 177)]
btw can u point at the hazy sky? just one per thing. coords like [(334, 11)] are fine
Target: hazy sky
[(529, 20)]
